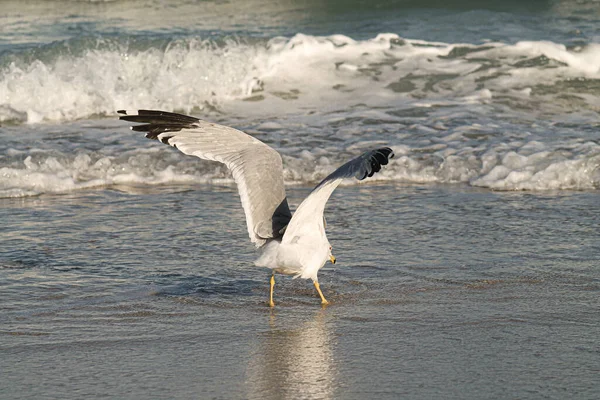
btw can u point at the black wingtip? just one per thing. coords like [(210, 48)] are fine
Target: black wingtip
[(361, 167), (372, 162), (156, 122)]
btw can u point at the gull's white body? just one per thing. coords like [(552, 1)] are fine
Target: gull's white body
[(302, 257), (293, 245), (304, 249)]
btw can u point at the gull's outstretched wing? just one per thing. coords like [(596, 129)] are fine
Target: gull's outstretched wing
[(257, 168), (309, 215)]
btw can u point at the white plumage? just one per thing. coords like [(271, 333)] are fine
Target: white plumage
[(293, 245)]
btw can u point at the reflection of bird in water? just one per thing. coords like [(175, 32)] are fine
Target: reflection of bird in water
[(292, 364), (291, 245)]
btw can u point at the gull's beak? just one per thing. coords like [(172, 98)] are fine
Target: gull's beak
[(332, 259)]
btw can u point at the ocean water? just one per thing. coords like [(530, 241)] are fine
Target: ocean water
[(469, 268)]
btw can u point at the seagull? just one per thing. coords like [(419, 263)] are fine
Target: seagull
[(291, 245)]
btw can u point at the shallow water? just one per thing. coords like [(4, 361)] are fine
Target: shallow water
[(467, 269), (437, 292)]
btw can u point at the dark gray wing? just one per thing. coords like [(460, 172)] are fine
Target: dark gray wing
[(256, 168), (310, 212)]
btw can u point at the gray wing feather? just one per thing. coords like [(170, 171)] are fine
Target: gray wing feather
[(309, 215), (256, 168)]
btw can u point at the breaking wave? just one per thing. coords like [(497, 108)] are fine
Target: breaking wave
[(87, 77), (528, 166)]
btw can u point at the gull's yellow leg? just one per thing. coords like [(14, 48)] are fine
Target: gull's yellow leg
[(271, 294), (318, 287)]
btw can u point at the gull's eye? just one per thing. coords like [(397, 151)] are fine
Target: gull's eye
[(329, 248)]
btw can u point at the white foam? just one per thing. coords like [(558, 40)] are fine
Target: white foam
[(182, 76), (49, 174), (331, 98), (540, 171), (530, 165), (291, 74)]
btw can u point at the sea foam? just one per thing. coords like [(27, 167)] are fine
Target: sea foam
[(496, 115), (532, 166), (64, 82)]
